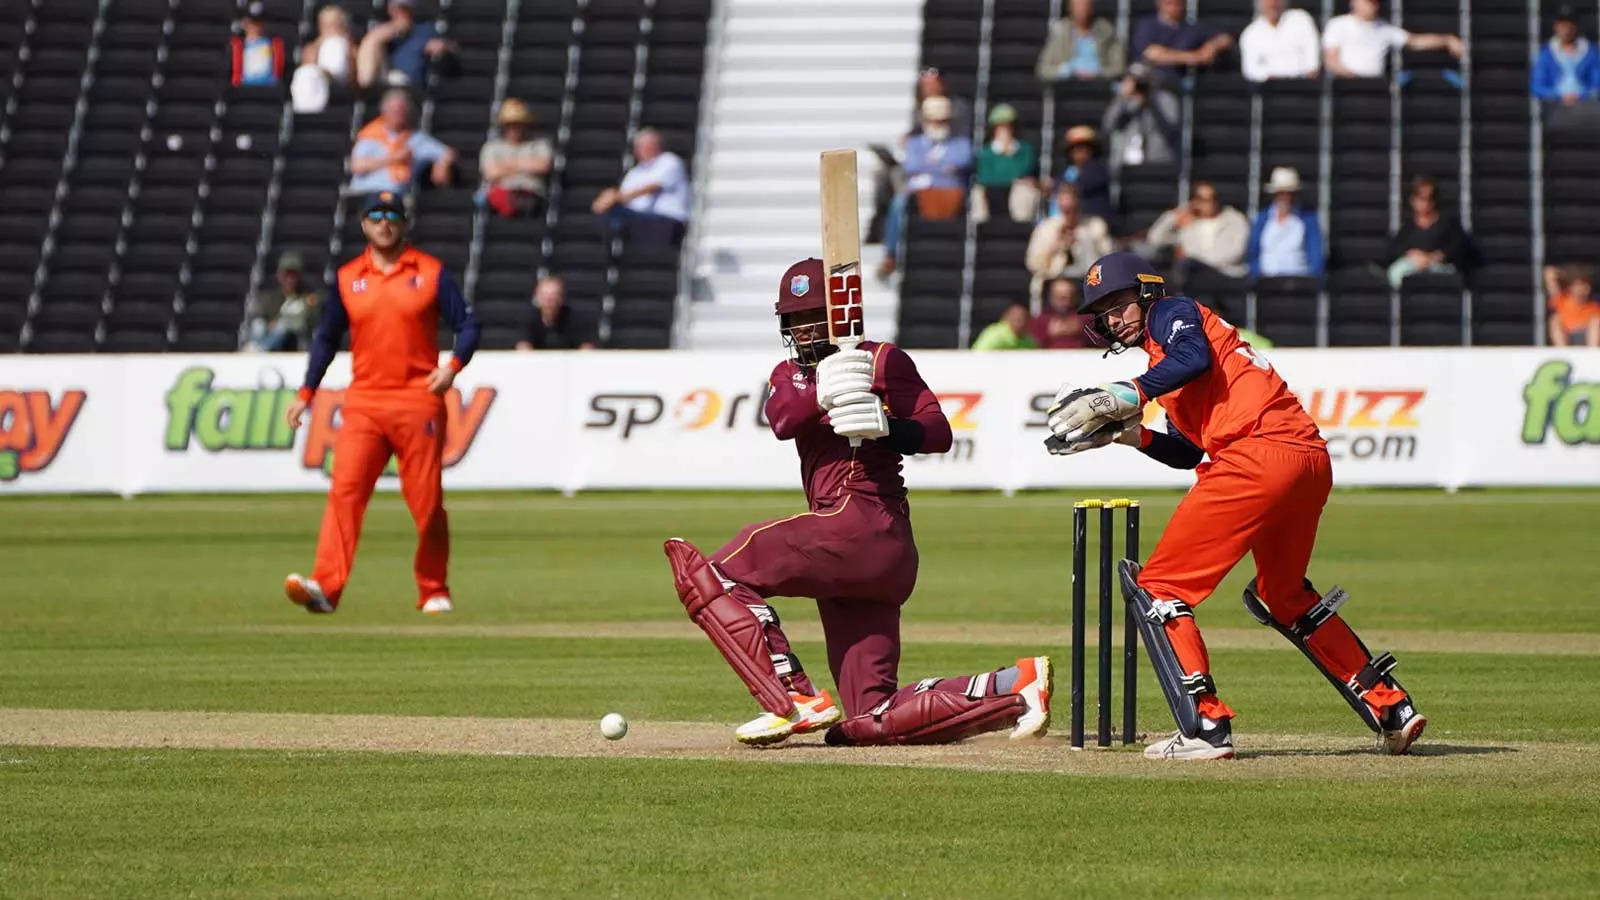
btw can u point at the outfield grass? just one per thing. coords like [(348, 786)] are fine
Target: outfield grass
[(174, 604)]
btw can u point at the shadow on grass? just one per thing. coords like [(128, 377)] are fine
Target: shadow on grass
[(1418, 750)]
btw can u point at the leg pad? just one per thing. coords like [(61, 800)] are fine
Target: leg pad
[(1376, 671), (928, 717), (734, 629), (1179, 687)]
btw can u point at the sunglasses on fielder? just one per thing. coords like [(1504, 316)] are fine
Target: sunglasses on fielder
[(385, 215)]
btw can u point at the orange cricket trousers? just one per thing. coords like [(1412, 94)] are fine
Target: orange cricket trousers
[(1262, 497), (368, 435)]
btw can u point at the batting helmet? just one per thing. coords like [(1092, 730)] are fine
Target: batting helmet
[(1116, 272)]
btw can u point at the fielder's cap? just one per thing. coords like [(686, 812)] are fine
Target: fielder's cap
[(803, 287), (291, 261), (515, 112), (936, 109), (1284, 180), (1081, 134), (1003, 114), (1116, 272), (385, 201)]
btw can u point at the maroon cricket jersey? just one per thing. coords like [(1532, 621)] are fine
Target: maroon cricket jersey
[(829, 466)]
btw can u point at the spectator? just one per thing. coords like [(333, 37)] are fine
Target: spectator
[(1009, 332), (552, 327), (1008, 170), (1169, 43), (937, 165), (327, 61), (1059, 327), (1356, 45), (1142, 121), (514, 165), (1429, 241), (1064, 245), (651, 206), (1201, 236), (282, 318), (401, 46), (388, 151), (1285, 239), (1574, 311), (1087, 172), (1080, 46), (931, 84), (1567, 72), (257, 58), (1279, 43)]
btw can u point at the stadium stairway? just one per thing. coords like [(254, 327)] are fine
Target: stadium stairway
[(788, 81)]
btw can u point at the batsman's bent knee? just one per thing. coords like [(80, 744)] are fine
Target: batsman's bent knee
[(1354, 690), (1179, 687), (733, 628)]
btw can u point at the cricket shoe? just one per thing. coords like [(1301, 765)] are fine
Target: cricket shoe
[(436, 605), (1036, 679), (306, 592), (1402, 725), (809, 714), (1211, 743)]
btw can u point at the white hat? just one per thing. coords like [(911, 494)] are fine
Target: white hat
[(1284, 180), (936, 108)]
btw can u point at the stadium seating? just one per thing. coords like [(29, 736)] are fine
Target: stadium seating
[(1355, 143), (143, 199)]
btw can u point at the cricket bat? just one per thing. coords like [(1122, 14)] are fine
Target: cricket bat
[(841, 250), (841, 247)]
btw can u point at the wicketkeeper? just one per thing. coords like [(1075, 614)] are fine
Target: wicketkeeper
[(852, 551), (1262, 493)]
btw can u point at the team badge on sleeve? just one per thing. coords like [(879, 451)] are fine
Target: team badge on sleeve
[(799, 285)]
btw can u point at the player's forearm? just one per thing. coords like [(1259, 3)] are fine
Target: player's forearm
[(323, 348), (1168, 450), (466, 343), (1186, 360), (925, 433)]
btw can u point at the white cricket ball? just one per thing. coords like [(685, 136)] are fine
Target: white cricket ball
[(613, 726)]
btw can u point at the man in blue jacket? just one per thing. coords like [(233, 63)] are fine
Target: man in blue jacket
[(1567, 71), (1285, 240)]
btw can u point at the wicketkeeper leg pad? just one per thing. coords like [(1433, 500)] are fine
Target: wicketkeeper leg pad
[(733, 628), (1375, 672), (1179, 687), (928, 717)]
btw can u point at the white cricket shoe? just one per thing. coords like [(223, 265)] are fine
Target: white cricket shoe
[(1210, 743), (303, 591), (437, 605), (1035, 682), (809, 714)]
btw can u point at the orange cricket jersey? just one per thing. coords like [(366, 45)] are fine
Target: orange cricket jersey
[(393, 321), (1239, 396)]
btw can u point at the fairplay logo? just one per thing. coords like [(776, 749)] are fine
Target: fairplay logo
[(33, 428), (222, 419), (1555, 402)]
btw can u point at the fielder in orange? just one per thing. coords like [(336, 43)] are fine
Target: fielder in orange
[(390, 299), (1262, 493)]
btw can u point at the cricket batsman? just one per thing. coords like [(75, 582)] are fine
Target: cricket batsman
[(1262, 493), (853, 551), (390, 299)]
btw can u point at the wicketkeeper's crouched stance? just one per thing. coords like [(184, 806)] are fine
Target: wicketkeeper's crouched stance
[(853, 552), (1261, 493)]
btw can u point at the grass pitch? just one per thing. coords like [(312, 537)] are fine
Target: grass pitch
[(171, 606)]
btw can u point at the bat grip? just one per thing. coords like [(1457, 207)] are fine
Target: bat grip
[(855, 442)]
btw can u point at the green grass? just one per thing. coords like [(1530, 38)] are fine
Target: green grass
[(174, 603)]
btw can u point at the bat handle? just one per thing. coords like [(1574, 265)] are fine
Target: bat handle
[(855, 442)]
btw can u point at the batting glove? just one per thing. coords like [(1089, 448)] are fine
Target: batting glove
[(859, 416), (844, 372)]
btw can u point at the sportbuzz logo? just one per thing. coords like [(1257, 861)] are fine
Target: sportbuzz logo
[(1367, 423), (1555, 403), (221, 419), (33, 428)]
